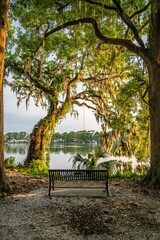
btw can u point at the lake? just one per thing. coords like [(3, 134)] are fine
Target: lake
[(59, 156)]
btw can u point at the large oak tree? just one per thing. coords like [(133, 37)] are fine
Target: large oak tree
[(140, 20), (136, 29), (47, 73)]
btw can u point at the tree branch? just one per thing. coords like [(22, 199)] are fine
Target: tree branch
[(144, 94), (101, 5), (84, 104), (124, 16), (115, 41), (142, 9), (128, 22)]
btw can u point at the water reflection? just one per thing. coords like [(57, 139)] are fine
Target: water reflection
[(62, 148), (59, 153), (21, 148)]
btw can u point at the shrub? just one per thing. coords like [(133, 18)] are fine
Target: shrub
[(37, 167), (9, 162)]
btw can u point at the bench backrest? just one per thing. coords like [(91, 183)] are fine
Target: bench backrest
[(74, 174)]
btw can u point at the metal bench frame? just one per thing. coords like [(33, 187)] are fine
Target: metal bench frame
[(77, 175)]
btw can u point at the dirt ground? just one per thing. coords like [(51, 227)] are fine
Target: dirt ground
[(131, 213)]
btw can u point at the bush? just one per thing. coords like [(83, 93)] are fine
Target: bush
[(37, 167), (9, 162)]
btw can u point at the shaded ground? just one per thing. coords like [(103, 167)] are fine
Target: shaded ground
[(132, 212)]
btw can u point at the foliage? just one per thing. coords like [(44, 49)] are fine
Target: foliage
[(110, 166), (37, 167), (120, 169), (125, 175), (16, 136), (91, 162), (9, 162), (81, 136)]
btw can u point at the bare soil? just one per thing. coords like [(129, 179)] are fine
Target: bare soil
[(131, 213)]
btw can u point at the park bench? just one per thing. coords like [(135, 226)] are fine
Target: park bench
[(72, 175)]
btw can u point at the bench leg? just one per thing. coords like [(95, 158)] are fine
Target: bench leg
[(51, 185), (106, 184), (49, 188)]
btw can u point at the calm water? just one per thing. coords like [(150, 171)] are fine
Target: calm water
[(59, 157)]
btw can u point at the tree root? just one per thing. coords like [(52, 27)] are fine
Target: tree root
[(151, 179)]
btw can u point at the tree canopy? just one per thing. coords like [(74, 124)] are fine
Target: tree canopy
[(103, 30)]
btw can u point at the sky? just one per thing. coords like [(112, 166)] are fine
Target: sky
[(17, 119)]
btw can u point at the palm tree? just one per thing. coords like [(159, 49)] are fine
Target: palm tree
[(88, 163)]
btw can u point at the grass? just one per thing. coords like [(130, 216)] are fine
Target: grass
[(39, 168)]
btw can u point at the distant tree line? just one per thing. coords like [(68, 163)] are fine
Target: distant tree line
[(67, 137), (80, 136), (16, 136)]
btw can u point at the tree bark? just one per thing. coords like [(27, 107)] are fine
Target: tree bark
[(40, 138), (153, 176), (42, 133), (4, 4)]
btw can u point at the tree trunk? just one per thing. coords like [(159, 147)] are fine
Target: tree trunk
[(4, 185), (39, 148), (153, 176), (40, 138)]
